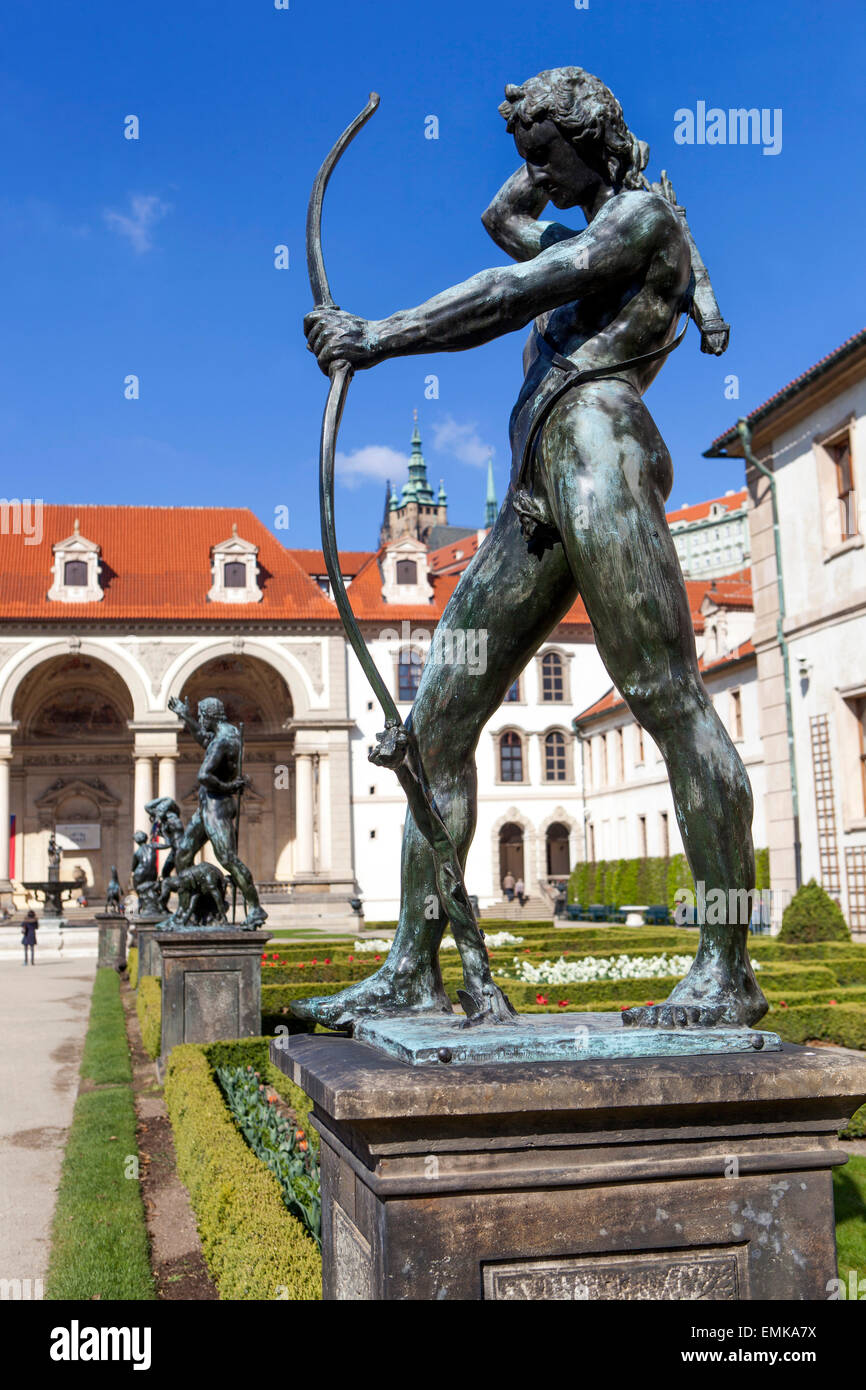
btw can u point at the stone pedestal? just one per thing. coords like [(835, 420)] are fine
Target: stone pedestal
[(211, 985), (682, 1178), (112, 941), (149, 958)]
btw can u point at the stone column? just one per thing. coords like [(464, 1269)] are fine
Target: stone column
[(167, 777), (4, 825), (143, 791), (303, 813)]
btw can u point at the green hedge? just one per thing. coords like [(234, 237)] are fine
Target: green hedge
[(843, 1024), (253, 1248), (812, 915), (655, 881), (132, 966), (148, 1006)]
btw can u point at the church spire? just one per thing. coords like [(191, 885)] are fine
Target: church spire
[(492, 506), (417, 489)]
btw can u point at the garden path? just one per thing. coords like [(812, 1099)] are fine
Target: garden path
[(43, 1020)]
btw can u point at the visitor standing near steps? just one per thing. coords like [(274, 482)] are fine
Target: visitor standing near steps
[(29, 928)]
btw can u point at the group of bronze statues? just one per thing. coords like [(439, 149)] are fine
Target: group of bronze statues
[(201, 888)]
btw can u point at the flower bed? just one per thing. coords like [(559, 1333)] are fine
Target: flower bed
[(253, 1247), (279, 1143)]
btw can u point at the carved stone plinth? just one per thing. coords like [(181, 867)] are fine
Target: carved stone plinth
[(685, 1178), (211, 986), (112, 940), (149, 958)]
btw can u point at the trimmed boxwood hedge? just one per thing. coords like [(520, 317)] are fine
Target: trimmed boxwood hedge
[(812, 915), (132, 966), (843, 1024), (148, 1006), (253, 1247)]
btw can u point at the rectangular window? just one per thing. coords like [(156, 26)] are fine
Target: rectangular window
[(602, 761), (736, 715), (513, 692), (408, 677), (840, 453), (641, 826), (666, 844), (620, 755), (638, 731), (859, 707)]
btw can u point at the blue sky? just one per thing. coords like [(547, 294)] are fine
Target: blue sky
[(155, 257)]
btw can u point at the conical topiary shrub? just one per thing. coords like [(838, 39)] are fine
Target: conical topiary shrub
[(812, 915)]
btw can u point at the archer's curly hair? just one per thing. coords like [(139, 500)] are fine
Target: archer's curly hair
[(588, 114)]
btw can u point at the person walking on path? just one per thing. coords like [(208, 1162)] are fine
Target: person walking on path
[(28, 937), (520, 891), (508, 887)]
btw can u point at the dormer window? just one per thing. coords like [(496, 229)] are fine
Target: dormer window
[(404, 572), (235, 571), (76, 570)]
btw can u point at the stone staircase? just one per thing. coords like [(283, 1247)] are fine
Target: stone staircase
[(535, 909)]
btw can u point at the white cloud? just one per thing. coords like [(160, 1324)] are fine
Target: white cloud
[(145, 210), (461, 440), (374, 462)]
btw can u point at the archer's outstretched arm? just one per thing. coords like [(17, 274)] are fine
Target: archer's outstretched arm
[(613, 250)]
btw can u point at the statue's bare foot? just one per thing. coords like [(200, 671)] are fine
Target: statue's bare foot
[(390, 991), (254, 919), (714, 994), (487, 1005)]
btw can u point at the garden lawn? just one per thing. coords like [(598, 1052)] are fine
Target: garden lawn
[(849, 1186), (106, 1054), (99, 1247)]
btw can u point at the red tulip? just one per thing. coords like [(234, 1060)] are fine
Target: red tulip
[(563, 1003)]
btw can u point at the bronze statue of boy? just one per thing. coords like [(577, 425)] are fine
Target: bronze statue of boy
[(584, 515)]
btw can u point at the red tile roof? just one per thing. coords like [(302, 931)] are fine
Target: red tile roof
[(313, 561), (156, 567), (613, 700), (701, 510), (454, 556)]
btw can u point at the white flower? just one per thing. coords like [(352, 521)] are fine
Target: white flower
[(588, 968), (492, 942), (378, 943)]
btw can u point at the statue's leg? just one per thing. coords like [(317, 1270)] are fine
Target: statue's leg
[(504, 606), (608, 474), (220, 826), (190, 843)]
